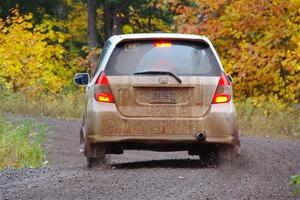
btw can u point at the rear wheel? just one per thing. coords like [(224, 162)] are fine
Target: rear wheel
[(95, 154), (219, 154), (95, 162), (209, 157), (228, 153), (82, 135)]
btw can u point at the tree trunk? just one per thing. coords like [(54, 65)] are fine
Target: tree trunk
[(93, 34), (117, 24), (149, 24), (112, 20), (107, 15)]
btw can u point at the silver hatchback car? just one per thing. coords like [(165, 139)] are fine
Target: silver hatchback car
[(162, 92)]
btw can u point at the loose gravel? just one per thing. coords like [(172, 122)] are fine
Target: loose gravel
[(262, 172)]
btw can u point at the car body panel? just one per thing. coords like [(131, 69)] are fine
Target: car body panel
[(106, 124), (145, 96)]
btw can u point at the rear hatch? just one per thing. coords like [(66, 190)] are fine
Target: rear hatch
[(163, 78)]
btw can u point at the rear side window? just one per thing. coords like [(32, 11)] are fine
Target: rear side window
[(179, 57), (102, 56)]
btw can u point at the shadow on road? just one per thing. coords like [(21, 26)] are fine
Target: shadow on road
[(174, 163)]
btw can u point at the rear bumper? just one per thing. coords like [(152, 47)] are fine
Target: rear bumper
[(97, 138), (106, 125)]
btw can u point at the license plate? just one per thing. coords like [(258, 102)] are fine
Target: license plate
[(163, 97)]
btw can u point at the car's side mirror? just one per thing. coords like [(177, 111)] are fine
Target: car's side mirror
[(82, 79), (229, 78)]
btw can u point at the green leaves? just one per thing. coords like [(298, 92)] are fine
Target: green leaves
[(295, 183)]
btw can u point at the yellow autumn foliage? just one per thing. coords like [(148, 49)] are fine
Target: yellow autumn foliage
[(32, 56), (259, 44)]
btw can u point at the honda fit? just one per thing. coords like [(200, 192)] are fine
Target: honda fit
[(161, 92)]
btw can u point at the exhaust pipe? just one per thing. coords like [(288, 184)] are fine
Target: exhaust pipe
[(200, 136)]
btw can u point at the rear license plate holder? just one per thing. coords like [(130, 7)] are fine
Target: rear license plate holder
[(163, 96)]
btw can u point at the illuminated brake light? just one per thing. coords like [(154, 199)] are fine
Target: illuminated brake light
[(102, 90), (162, 44), (221, 98), (104, 97), (223, 91)]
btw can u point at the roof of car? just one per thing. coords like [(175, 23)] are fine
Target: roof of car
[(159, 35), (140, 36)]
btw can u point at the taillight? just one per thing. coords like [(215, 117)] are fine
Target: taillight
[(102, 90), (223, 92)]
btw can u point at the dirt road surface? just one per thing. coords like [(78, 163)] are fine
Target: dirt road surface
[(262, 172)]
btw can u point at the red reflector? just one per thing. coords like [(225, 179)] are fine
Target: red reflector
[(162, 44)]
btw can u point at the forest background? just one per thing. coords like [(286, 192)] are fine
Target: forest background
[(44, 43)]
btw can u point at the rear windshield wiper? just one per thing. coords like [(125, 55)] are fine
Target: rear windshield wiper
[(160, 72)]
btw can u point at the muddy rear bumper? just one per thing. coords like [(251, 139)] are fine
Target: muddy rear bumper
[(96, 138), (106, 125)]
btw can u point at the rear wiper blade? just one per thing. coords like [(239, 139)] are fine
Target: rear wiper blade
[(160, 72)]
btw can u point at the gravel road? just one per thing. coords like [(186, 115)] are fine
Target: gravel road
[(262, 172)]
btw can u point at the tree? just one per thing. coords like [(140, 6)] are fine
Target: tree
[(37, 7), (93, 35), (148, 16), (127, 17), (32, 57), (258, 42)]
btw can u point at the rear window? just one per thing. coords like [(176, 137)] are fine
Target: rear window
[(178, 57)]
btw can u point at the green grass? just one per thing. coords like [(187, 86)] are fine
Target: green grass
[(295, 183), (20, 144)]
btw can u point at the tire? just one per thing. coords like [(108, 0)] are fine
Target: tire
[(209, 157), (95, 162), (95, 154), (82, 134), (228, 153)]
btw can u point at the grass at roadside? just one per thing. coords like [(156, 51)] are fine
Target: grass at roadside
[(268, 120), (295, 183), (20, 144), (59, 106)]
